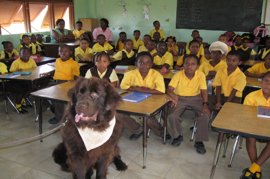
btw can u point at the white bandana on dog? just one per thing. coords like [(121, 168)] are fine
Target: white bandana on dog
[(93, 139)]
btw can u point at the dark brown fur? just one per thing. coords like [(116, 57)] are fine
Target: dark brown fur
[(94, 94)]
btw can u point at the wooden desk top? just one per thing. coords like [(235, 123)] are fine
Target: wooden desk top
[(75, 43), (254, 82), (45, 60), (241, 119), (146, 107), (36, 73)]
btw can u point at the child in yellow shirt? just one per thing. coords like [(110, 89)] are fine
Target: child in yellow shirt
[(146, 39), (103, 70), (163, 59), (147, 80), (26, 42), (83, 53), (137, 41), (262, 53), (78, 31), (120, 45), (157, 28), (259, 69), (171, 45), (9, 54), (151, 47), (102, 45), (257, 98), (188, 90), (35, 44)]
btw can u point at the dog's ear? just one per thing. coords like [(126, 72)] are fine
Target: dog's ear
[(72, 92), (112, 97)]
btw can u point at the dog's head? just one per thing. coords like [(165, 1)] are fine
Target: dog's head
[(93, 102)]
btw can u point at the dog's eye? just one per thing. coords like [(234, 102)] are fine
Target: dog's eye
[(94, 95), (82, 90)]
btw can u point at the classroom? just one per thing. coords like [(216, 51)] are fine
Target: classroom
[(135, 89)]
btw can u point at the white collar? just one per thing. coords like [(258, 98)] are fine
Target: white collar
[(93, 139)]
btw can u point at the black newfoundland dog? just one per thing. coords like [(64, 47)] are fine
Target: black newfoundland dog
[(92, 132)]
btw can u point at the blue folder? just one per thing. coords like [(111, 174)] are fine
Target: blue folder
[(23, 73), (136, 97)]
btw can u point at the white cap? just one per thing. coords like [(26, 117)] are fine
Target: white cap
[(219, 46)]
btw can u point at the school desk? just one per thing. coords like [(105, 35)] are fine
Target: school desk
[(254, 82), (45, 60), (51, 49), (244, 123), (38, 73), (147, 108)]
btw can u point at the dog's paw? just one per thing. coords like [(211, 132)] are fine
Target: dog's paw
[(119, 164)]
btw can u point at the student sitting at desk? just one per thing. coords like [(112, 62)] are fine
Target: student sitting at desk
[(26, 42), (137, 41), (146, 39), (229, 82), (163, 59), (218, 50), (83, 53), (196, 36), (65, 69), (78, 31), (247, 52), (24, 62), (35, 44), (102, 69), (157, 28), (194, 47), (188, 90), (125, 56), (171, 44), (262, 53), (9, 54), (151, 47), (60, 34), (147, 80), (259, 69), (102, 45), (120, 44), (257, 98)]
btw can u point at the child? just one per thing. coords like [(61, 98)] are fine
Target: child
[(137, 41), (83, 53), (163, 59), (218, 50), (35, 44), (143, 79), (262, 53), (207, 53), (223, 38), (171, 45), (102, 45), (196, 36), (24, 62), (65, 69), (259, 69), (125, 56), (9, 54), (40, 42), (194, 47), (188, 89), (26, 42), (229, 82), (78, 31), (146, 39), (237, 40), (151, 47), (247, 53), (102, 69), (257, 98), (157, 28), (121, 41), (156, 37)]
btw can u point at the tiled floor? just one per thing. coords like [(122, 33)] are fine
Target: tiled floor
[(33, 160)]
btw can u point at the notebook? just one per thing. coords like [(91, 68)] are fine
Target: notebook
[(263, 111), (136, 97)]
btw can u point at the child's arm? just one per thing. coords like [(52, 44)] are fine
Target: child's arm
[(254, 75), (173, 96), (232, 95), (205, 102), (218, 95)]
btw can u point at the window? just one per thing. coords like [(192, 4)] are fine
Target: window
[(22, 16)]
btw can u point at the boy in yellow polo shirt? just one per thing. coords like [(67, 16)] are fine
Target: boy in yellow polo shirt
[(78, 31), (188, 90), (163, 58), (157, 28), (196, 36), (146, 39), (257, 98), (218, 50), (26, 42), (137, 41), (24, 62), (259, 69), (229, 82), (143, 79), (83, 53), (102, 45), (120, 44)]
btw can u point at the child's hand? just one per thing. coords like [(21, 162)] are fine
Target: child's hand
[(206, 110), (173, 102), (218, 106)]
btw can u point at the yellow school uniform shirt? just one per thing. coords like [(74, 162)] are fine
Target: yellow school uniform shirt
[(180, 60), (166, 58), (37, 47), (201, 49), (137, 43), (142, 48), (99, 48), (120, 45), (161, 32), (77, 33), (258, 68), (263, 52), (153, 80), (30, 46), (3, 68), (80, 51), (236, 80), (113, 77), (183, 86), (18, 64), (256, 98), (3, 55), (66, 70), (118, 55), (205, 67)]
